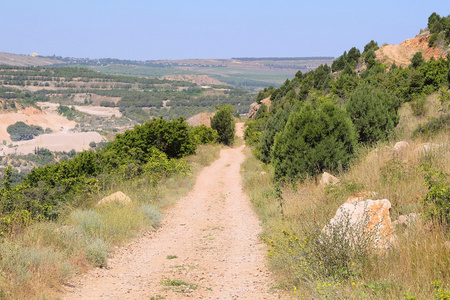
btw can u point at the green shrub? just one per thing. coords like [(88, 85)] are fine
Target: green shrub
[(418, 107), (417, 60), (433, 126), (97, 252), (152, 215), (203, 135), (274, 124), (437, 200), (20, 131), (318, 137), (373, 112), (87, 222), (253, 131), (262, 112), (170, 137), (223, 122)]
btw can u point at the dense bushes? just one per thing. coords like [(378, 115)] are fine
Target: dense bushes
[(370, 97), (204, 135), (439, 28), (21, 131), (274, 124), (320, 136), (150, 149), (171, 138), (373, 112)]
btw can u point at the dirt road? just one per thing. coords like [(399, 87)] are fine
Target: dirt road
[(212, 232)]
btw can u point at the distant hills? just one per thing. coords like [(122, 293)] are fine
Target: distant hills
[(249, 73), (26, 60)]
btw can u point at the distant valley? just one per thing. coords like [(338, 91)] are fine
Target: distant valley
[(251, 74)]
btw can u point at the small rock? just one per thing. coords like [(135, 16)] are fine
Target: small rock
[(116, 197), (357, 219), (327, 179), (400, 147)]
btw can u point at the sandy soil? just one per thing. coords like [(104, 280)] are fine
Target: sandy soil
[(33, 116), (402, 54), (61, 141), (212, 230), (88, 109), (203, 118)]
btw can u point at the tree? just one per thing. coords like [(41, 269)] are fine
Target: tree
[(372, 45), (353, 56), (370, 58), (320, 136), (274, 124), (433, 23), (417, 60), (262, 112), (373, 112), (223, 122)]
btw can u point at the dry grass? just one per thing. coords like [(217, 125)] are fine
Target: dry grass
[(292, 221), (36, 263)]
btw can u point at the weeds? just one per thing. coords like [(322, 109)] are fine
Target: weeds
[(97, 252), (183, 287), (35, 263), (309, 265)]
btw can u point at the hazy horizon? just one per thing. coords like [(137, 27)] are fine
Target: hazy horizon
[(156, 30)]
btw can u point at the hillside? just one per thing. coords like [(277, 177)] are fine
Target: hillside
[(402, 54), (351, 173), (78, 107), (26, 60), (251, 74)]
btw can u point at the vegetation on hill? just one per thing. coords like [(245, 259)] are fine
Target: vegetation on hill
[(371, 99), (139, 99), (439, 28), (346, 119), (46, 192)]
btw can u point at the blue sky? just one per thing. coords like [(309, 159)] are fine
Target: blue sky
[(176, 29)]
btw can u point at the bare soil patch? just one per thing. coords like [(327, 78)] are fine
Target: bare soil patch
[(197, 79), (61, 141), (203, 118), (402, 54), (207, 244), (33, 116)]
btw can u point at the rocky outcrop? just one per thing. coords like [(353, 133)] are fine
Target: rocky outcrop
[(116, 197), (255, 106), (365, 221), (402, 54), (327, 179)]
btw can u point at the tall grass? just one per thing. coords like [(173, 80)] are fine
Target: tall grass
[(36, 263), (293, 217)]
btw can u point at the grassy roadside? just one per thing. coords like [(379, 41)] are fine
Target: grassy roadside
[(35, 263), (294, 215)]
